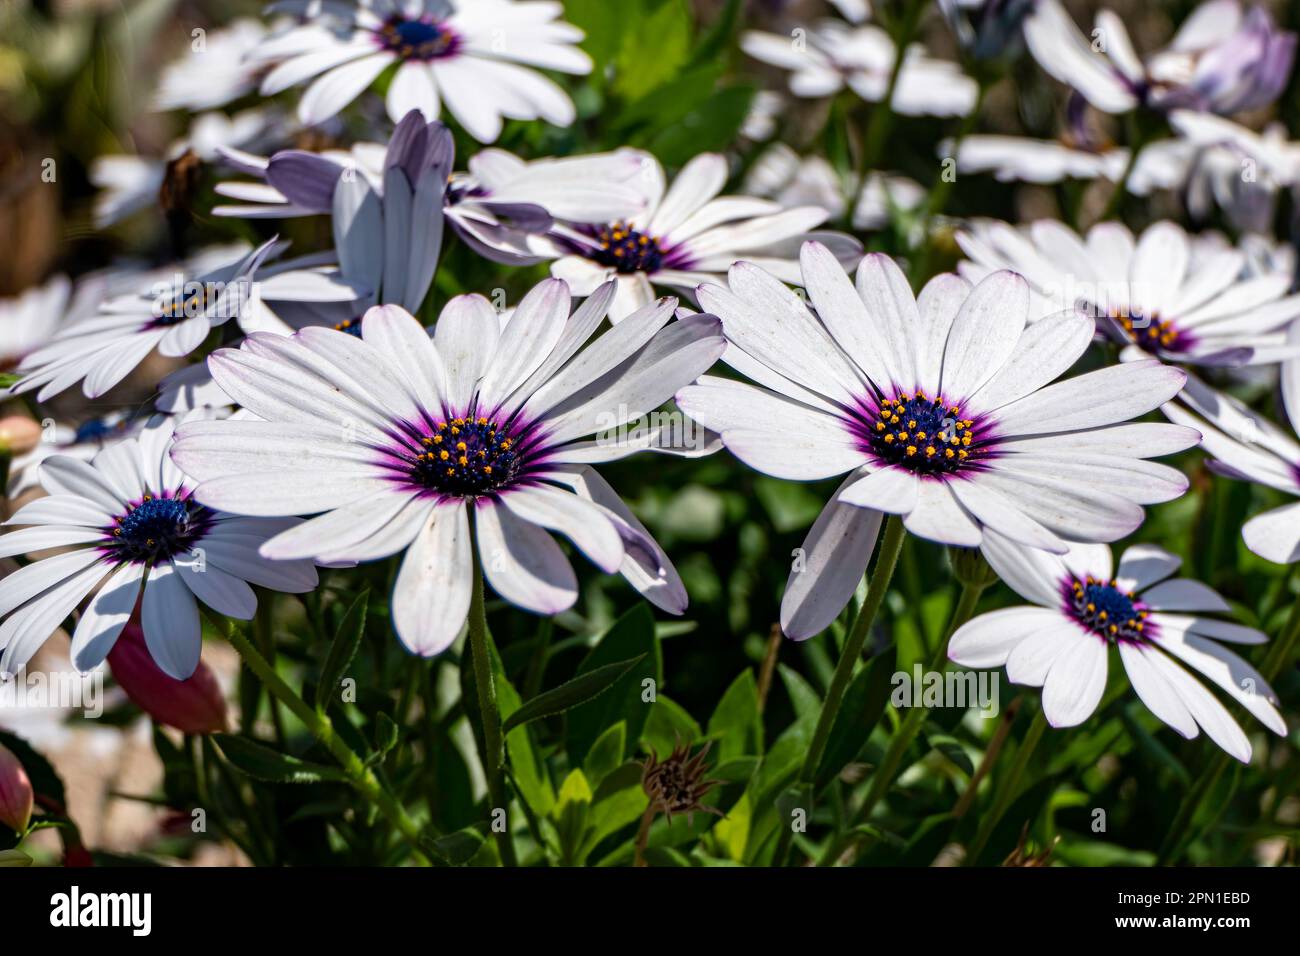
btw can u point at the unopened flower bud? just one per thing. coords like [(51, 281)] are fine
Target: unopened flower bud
[(970, 568), (193, 706), (19, 434), (16, 794)]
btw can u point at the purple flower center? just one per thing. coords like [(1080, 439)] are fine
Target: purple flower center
[(926, 435), (1154, 334), (466, 457), (1102, 608), (625, 249), (157, 529), (418, 39)]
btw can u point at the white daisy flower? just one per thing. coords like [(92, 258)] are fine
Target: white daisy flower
[(1247, 446), (687, 235), (829, 55), (1165, 164), (394, 439), (939, 409), (1221, 60), (213, 71), (1180, 298), (497, 207), (466, 53), (1159, 626), (173, 315), (131, 522)]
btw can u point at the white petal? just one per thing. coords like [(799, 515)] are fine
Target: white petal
[(170, 620), (1185, 594), (994, 510), (223, 592), (1103, 397), (984, 334), (832, 561), (1155, 690), (466, 339), (939, 517), (432, 596), (989, 639), (1046, 348), (1275, 535), (1075, 683), (1031, 659), (1211, 715), (105, 616), (579, 520), (1142, 565), (891, 490), (522, 562)]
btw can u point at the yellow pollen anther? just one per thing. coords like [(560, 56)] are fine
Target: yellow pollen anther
[(911, 450)]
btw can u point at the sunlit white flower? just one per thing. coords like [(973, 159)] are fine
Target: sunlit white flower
[(1245, 445), (467, 53), (828, 56), (394, 439), (213, 71), (1181, 298), (687, 235), (129, 184), (1158, 625), (938, 408), (1221, 60), (173, 315), (1164, 164), (132, 524)]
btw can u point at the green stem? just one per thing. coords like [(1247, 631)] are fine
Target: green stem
[(1007, 793), (887, 559), (907, 731), (1279, 654), (1137, 139), (489, 710), (938, 199), (322, 728), (882, 117), (266, 644)]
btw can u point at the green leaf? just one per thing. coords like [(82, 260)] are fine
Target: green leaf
[(603, 23), (667, 724), (570, 816), (950, 747), (263, 763), (805, 700), (864, 704), (736, 723), (343, 649), (606, 754), (654, 50), (570, 694), (457, 848), (631, 637), (711, 126)]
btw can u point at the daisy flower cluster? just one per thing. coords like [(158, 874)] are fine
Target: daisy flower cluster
[(843, 342)]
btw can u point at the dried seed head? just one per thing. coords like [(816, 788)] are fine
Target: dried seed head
[(676, 784)]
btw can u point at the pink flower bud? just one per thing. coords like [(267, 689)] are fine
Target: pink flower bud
[(19, 434), (16, 794), (194, 706)]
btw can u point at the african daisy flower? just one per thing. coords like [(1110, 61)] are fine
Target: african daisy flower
[(1247, 446), (1181, 298), (396, 438), (1159, 626), (466, 53), (173, 314), (1221, 60), (830, 55), (133, 525), (687, 235), (938, 408)]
